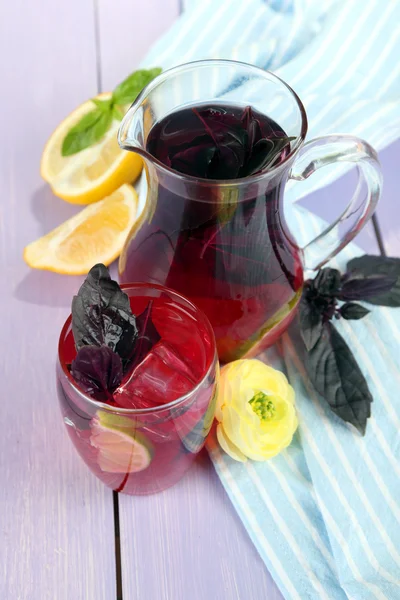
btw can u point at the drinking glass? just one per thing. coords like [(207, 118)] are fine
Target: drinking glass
[(148, 446)]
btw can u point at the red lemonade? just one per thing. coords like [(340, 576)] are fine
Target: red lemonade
[(143, 436), (226, 247)]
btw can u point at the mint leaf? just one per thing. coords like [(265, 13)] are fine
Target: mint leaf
[(104, 105), (89, 130), (127, 91), (117, 113)]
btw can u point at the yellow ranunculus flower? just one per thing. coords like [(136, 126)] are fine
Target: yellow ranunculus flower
[(255, 410)]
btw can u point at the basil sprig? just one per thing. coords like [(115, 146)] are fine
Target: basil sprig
[(92, 127), (330, 363), (110, 340)]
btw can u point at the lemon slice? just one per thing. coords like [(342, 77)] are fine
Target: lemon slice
[(93, 173), (121, 448), (96, 234)]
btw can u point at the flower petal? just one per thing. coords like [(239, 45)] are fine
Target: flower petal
[(242, 426), (228, 446), (290, 395), (258, 375), (232, 423)]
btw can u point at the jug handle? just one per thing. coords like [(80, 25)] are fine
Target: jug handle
[(327, 150)]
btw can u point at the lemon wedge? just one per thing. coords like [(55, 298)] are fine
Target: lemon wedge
[(93, 173), (96, 234), (121, 448)]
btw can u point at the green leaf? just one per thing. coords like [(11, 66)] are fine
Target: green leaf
[(89, 130), (335, 374), (127, 91), (104, 105), (117, 113), (374, 266)]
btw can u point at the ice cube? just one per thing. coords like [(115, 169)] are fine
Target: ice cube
[(161, 377), (181, 330), (170, 357)]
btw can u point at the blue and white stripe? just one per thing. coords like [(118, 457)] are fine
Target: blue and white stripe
[(342, 58), (328, 507)]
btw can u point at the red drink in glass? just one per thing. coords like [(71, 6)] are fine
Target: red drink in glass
[(147, 434)]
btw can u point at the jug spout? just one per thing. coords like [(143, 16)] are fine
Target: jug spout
[(131, 134)]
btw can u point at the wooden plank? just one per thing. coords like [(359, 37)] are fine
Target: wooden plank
[(127, 29), (188, 542), (56, 519)]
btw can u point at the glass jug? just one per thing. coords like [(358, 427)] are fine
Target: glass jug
[(225, 243)]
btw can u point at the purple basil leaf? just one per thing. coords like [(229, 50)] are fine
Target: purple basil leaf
[(352, 310), (101, 314), (194, 161), (246, 261), (355, 287), (321, 292), (221, 145), (327, 282), (226, 163), (250, 125), (311, 323), (229, 139), (148, 336), (368, 266), (266, 153), (259, 154), (222, 127), (97, 370), (335, 374)]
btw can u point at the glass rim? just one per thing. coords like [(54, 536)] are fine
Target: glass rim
[(150, 410), (122, 132)]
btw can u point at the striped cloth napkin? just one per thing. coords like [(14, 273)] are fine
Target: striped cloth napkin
[(325, 514), (341, 57)]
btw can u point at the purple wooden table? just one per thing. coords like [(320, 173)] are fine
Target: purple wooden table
[(63, 535)]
